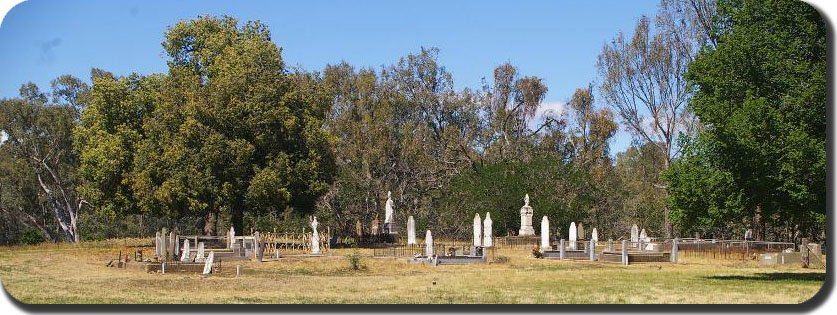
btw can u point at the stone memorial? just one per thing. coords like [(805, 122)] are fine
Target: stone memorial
[(487, 231), (389, 216), (477, 230), (158, 245), (164, 251), (411, 231), (526, 212), (634, 235), (374, 228), (562, 248), (184, 256), (173, 248), (573, 236), (231, 237), (428, 244), (624, 252), (358, 228), (592, 250), (643, 237), (545, 234), (594, 235), (201, 255), (580, 231), (748, 235), (207, 266), (315, 238)]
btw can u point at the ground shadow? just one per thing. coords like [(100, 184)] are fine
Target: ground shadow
[(776, 276)]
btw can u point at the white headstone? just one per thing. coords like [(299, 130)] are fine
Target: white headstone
[(200, 256), (388, 209), (643, 236), (232, 237), (545, 233), (580, 229), (158, 245), (411, 231), (573, 236), (315, 238), (184, 254), (634, 234), (477, 230), (487, 231), (595, 235), (748, 236), (428, 244), (526, 212), (207, 266)]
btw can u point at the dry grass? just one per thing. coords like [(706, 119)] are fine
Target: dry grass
[(65, 274)]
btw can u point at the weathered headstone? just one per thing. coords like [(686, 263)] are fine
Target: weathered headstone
[(592, 250), (477, 230), (580, 232), (624, 252), (201, 255), (573, 236), (610, 247), (674, 250), (545, 233), (643, 237), (184, 256), (562, 247), (257, 246), (411, 231), (428, 244), (164, 251), (231, 238), (173, 245), (158, 245), (526, 212), (487, 231), (594, 235), (374, 228), (634, 235), (315, 238), (748, 235), (207, 266)]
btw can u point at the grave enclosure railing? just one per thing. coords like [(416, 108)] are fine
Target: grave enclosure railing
[(440, 248), (285, 243)]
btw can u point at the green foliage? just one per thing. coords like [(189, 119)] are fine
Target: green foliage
[(31, 236), (355, 261), (762, 96)]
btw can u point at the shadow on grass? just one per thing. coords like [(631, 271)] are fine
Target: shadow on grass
[(777, 276)]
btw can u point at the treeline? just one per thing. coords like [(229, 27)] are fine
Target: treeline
[(724, 140)]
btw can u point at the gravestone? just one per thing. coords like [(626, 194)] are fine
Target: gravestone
[(172, 245), (389, 216), (562, 247), (643, 237), (207, 266), (158, 245), (580, 232), (573, 236), (231, 238), (748, 235), (315, 238), (610, 247), (257, 246), (487, 231), (526, 212), (358, 228), (477, 230), (428, 244), (634, 235), (164, 250), (674, 251), (624, 252), (374, 227), (200, 256), (592, 250), (595, 235), (411, 231), (545, 233), (184, 256)]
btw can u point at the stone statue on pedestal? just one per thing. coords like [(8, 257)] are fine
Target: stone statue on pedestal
[(526, 212)]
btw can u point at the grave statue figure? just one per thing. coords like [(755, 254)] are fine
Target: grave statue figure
[(526, 212), (315, 238), (388, 209)]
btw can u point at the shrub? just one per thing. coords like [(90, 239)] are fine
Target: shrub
[(536, 252), (502, 259), (355, 261), (31, 236)]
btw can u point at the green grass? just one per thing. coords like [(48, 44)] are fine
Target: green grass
[(67, 274)]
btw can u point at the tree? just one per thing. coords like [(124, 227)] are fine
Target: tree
[(643, 78), (229, 128), (38, 157), (761, 92)]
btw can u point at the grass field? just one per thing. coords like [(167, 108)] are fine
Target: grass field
[(70, 274)]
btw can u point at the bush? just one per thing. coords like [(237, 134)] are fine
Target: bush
[(31, 236), (536, 252), (355, 261)]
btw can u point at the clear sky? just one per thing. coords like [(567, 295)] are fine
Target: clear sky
[(555, 40)]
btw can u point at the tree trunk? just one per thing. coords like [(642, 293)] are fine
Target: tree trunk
[(238, 218), (210, 223)]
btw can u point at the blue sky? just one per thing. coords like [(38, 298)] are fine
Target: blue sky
[(555, 40)]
